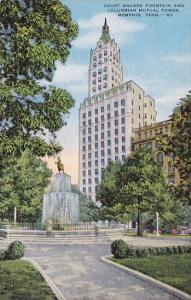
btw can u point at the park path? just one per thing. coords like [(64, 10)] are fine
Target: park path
[(80, 275)]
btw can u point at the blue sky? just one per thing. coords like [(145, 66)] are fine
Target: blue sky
[(155, 53)]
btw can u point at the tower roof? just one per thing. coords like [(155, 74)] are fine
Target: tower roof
[(105, 37)]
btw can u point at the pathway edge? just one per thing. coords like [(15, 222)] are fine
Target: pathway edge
[(172, 290), (48, 280)]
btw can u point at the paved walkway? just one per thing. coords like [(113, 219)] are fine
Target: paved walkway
[(80, 275)]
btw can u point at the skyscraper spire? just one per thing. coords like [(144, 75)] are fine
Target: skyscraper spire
[(105, 37)]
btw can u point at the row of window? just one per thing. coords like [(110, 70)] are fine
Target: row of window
[(102, 108), (151, 133), (102, 136), (100, 62), (116, 123), (116, 150), (99, 71)]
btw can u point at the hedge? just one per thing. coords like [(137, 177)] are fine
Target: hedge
[(120, 249)]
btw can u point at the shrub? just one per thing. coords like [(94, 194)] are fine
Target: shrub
[(2, 255), (119, 249), (152, 251), (15, 250), (169, 250), (180, 249)]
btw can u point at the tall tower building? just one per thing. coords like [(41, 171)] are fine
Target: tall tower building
[(110, 113), (105, 70)]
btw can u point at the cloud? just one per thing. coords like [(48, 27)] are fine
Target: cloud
[(71, 73), (169, 100), (178, 58), (90, 29)]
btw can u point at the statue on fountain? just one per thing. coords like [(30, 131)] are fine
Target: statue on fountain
[(60, 165)]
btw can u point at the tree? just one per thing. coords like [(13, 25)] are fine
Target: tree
[(22, 184), (34, 35), (178, 143), (138, 185)]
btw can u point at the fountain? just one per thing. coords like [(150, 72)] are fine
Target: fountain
[(60, 204)]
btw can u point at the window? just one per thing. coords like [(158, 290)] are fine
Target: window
[(122, 102), (116, 158), (102, 126), (102, 118), (105, 77), (96, 137), (100, 55), (161, 130), (99, 62), (116, 141), (102, 162), (89, 130), (109, 151), (83, 156), (116, 122), (89, 122), (94, 64), (96, 163), (84, 115), (94, 89), (116, 131), (84, 190), (151, 103), (102, 135), (108, 107), (96, 145), (108, 124), (139, 96), (89, 164), (139, 107), (94, 58), (132, 111), (96, 111), (104, 85), (89, 147), (132, 102), (123, 148), (123, 120), (84, 164), (84, 148), (89, 189), (139, 116), (89, 180), (105, 52), (102, 153), (108, 133), (108, 142), (123, 157), (123, 129), (108, 115), (89, 139), (96, 120), (123, 139), (116, 113), (115, 104), (96, 128), (96, 179), (84, 123), (99, 71), (132, 120), (105, 69), (94, 74), (102, 108), (84, 173), (102, 144), (105, 59), (145, 105), (89, 155), (96, 171), (89, 113), (145, 116), (84, 131), (96, 154), (160, 158), (123, 111), (99, 79)]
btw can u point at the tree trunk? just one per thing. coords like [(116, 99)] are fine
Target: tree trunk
[(139, 221)]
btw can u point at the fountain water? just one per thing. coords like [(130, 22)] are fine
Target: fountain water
[(61, 203)]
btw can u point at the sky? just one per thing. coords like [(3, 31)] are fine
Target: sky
[(155, 53)]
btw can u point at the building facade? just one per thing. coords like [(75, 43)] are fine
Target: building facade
[(147, 136), (109, 115)]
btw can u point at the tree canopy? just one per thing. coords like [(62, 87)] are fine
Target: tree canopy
[(137, 185), (22, 182), (34, 35), (178, 143)]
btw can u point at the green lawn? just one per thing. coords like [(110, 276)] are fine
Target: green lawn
[(174, 270), (21, 281)]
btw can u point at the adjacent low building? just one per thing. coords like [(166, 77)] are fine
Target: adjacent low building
[(147, 136)]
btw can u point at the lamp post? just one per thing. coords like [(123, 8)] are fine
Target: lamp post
[(15, 215), (157, 219)]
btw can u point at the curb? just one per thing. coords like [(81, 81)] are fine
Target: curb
[(167, 288), (49, 281)]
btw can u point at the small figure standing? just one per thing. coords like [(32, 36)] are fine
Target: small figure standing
[(60, 165)]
